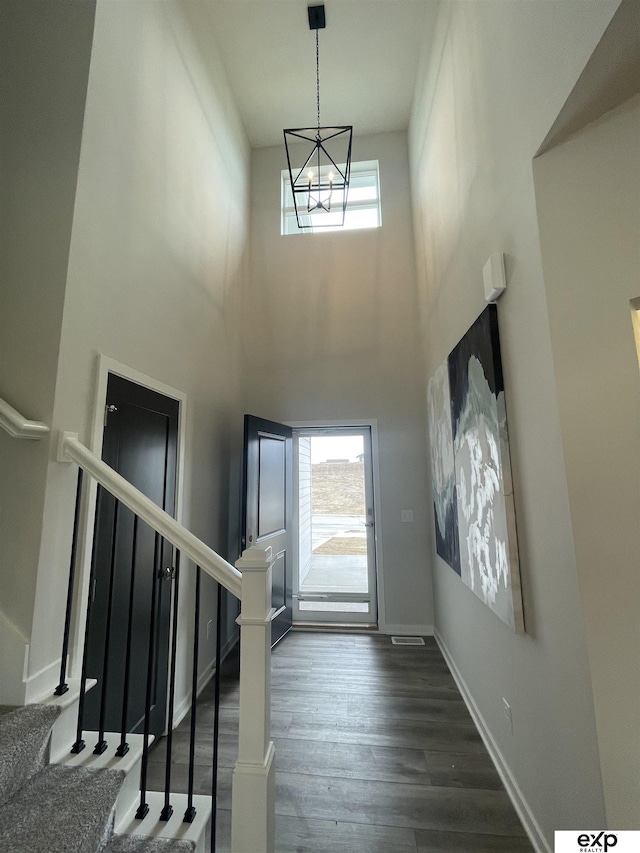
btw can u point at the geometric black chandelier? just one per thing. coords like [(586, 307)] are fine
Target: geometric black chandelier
[(319, 159)]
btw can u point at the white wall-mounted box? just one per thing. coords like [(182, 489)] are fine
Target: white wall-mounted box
[(495, 282)]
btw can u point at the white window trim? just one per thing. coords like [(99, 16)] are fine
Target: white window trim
[(363, 168)]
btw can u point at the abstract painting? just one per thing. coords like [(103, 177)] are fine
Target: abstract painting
[(443, 474), (472, 470)]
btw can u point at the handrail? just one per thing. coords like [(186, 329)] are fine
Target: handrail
[(17, 425), (72, 450)]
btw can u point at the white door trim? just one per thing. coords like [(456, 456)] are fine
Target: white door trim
[(107, 365), (104, 366)]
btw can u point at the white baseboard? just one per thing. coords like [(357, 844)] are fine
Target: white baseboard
[(230, 644), (42, 684), (407, 630), (524, 811), (184, 707), (13, 663)]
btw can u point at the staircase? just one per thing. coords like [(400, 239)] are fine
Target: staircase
[(61, 794), (56, 808)]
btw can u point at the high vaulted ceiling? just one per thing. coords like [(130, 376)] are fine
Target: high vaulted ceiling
[(369, 54)]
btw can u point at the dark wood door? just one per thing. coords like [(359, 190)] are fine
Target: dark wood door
[(140, 443), (266, 509)]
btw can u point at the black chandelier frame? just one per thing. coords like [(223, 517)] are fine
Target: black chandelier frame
[(314, 190)]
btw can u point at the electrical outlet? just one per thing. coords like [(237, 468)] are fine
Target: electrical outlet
[(209, 627), (406, 515), (507, 713)]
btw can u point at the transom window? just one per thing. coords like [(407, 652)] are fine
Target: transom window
[(363, 204)]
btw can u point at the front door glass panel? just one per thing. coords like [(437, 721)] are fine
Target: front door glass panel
[(336, 535)]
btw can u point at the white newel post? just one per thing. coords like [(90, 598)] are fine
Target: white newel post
[(253, 788)]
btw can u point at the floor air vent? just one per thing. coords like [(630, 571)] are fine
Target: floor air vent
[(407, 641)]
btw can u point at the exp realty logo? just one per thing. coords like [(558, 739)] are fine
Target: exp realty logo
[(592, 842), (598, 841)]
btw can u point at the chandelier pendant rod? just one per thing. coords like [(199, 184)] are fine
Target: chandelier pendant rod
[(318, 137), (318, 80)]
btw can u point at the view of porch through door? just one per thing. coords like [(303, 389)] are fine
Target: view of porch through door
[(336, 534)]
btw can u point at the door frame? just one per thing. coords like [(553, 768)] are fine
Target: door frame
[(372, 424), (104, 366)]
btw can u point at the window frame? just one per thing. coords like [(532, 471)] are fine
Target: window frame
[(361, 169)]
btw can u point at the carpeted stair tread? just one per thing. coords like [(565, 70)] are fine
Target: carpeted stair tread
[(24, 735), (138, 844), (61, 810)]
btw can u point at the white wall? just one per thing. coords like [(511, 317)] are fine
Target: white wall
[(156, 262), (588, 194), (44, 66), (490, 90), (331, 333)]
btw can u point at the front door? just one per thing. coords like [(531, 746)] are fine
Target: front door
[(140, 443), (266, 510), (336, 566)]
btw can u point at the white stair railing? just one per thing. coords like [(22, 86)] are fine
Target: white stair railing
[(70, 449), (253, 797), (253, 828), (253, 788), (17, 425)]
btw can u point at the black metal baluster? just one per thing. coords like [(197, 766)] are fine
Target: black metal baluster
[(123, 748), (79, 744), (216, 724), (63, 686), (143, 808), (167, 810), (101, 745), (190, 812)]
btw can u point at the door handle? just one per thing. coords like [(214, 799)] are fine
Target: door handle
[(167, 574), (367, 523)]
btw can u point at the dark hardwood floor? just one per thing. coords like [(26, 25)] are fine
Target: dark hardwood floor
[(375, 752)]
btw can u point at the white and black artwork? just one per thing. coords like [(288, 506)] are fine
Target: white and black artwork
[(443, 474), (471, 470)]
